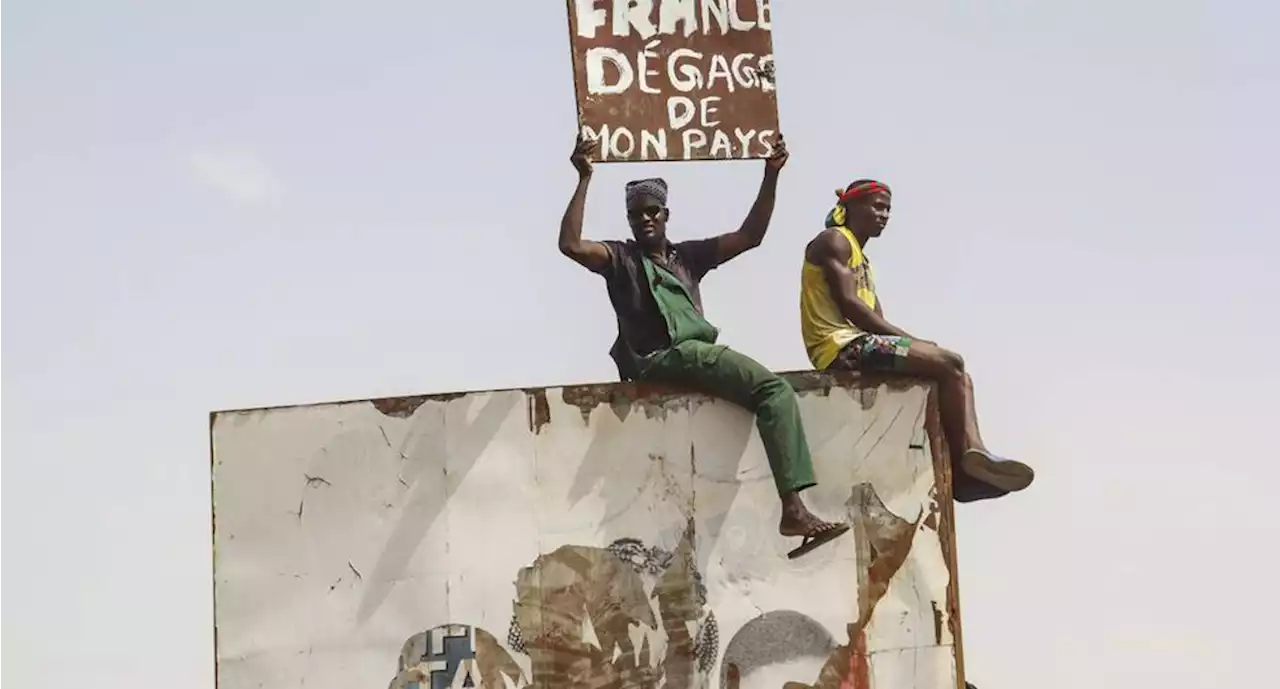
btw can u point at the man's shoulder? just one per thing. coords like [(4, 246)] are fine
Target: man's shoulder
[(833, 233), (832, 241), (622, 255)]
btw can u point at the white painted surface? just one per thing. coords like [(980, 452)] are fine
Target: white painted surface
[(437, 512)]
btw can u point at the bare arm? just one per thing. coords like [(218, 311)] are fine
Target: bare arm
[(593, 256), (750, 234), (831, 252)]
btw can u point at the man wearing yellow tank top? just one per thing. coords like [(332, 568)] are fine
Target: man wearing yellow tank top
[(844, 329)]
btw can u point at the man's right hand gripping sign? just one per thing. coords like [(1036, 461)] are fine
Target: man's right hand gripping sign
[(663, 335)]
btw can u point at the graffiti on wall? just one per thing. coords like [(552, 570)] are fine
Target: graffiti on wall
[(454, 656), (632, 615), (586, 570), (627, 615)]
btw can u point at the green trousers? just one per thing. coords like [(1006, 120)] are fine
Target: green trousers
[(724, 373)]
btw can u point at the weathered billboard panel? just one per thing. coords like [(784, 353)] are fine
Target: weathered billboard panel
[(675, 79), (585, 536)]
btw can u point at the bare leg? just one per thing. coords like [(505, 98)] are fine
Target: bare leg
[(960, 419), (971, 416), (959, 414)]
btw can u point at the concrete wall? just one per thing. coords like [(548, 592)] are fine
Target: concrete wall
[(584, 536)]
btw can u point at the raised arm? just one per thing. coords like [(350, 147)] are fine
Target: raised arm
[(593, 256), (831, 252), (751, 233)]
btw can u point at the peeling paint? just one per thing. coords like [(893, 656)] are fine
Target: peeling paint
[(655, 400), (937, 622), (398, 407), (404, 407), (847, 666), (943, 487), (931, 520), (468, 500), (810, 382), (587, 397), (884, 541), (539, 410), (479, 660)]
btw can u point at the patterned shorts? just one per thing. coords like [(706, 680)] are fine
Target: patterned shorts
[(873, 353)]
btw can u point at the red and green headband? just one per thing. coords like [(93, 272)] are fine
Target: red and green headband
[(860, 189)]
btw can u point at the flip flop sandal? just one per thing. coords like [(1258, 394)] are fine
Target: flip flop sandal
[(817, 537)]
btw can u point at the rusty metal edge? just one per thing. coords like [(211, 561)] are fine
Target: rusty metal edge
[(947, 528), (213, 547), (804, 382)]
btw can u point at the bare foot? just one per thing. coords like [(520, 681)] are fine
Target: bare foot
[(797, 520), (801, 523)]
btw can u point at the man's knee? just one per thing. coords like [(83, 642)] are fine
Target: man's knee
[(773, 385), (953, 361), (935, 362), (775, 390)]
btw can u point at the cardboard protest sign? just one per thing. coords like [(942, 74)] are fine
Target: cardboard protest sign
[(675, 79)]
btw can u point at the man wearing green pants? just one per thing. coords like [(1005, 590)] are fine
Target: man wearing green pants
[(663, 336)]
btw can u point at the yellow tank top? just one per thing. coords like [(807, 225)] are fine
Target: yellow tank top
[(825, 330)]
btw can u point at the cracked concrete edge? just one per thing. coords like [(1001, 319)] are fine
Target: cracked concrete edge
[(804, 382)]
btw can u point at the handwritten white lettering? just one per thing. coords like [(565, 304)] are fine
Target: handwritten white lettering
[(744, 73), (589, 18), (629, 14), (684, 77), (715, 9), (736, 22), (721, 146), (702, 89), (693, 139), (642, 67), (766, 139), (764, 15), (708, 109), (596, 58), (680, 111), (720, 70), (684, 12), (655, 141), (766, 66), (625, 17), (623, 143)]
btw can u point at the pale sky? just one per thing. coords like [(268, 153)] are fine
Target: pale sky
[(231, 204)]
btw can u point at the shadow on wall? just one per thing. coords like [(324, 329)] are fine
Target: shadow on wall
[(425, 449)]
